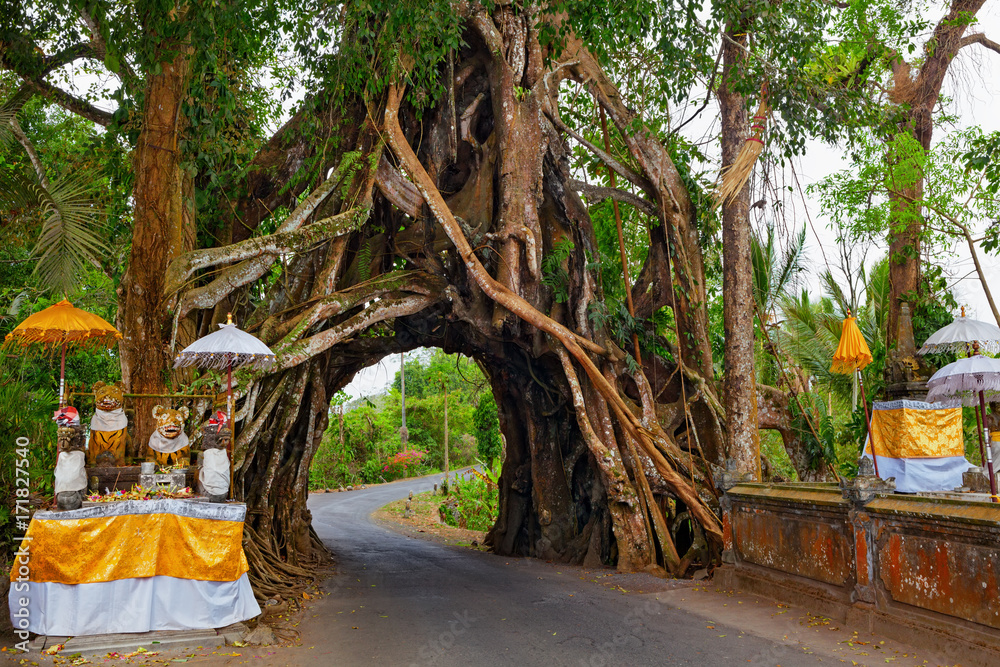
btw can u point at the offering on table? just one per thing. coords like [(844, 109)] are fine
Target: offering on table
[(169, 444), (71, 478), (108, 427), (140, 493), (213, 478)]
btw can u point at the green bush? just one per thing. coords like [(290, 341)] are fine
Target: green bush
[(25, 411), (475, 494), (487, 429)]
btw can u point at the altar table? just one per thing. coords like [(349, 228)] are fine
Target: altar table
[(133, 566)]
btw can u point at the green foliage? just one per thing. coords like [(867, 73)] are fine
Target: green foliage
[(358, 49), (61, 209), (487, 429), (774, 269), (555, 271), (25, 412), (981, 158), (475, 497)]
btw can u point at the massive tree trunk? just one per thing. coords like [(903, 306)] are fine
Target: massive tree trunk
[(158, 237), (737, 297)]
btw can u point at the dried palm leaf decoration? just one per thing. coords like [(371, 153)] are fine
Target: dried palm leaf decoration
[(735, 176)]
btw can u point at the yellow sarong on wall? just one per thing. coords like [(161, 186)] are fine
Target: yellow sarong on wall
[(919, 444), (906, 433)]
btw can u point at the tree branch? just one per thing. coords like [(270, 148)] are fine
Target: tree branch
[(260, 257), (393, 306), (29, 148), (272, 245), (284, 328), (614, 164), (981, 39), (598, 193), (34, 71), (69, 102), (98, 44), (399, 191)]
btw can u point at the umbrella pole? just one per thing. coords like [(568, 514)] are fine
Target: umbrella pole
[(868, 424), (232, 426), (989, 453), (979, 430), (62, 376)]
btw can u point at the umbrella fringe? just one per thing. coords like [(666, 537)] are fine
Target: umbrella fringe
[(51, 341), (991, 346), (223, 360)]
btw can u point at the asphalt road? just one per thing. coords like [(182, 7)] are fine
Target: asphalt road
[(397, 600)]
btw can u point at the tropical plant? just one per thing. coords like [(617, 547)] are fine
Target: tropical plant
[(67, 208), (474, 497), (774, 269)]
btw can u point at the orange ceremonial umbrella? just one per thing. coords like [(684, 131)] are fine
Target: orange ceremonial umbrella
[(65, 326), (852, 355)]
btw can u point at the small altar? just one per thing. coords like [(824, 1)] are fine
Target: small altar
[(133, 566)]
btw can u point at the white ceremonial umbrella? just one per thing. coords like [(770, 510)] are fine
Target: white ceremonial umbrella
[(227, 348), (970, 380), (955, 337)]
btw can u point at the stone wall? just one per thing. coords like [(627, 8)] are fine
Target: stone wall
[(925, 571)]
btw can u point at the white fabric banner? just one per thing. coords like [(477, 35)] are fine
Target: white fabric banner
[(159, 443), (214, 474), (108, 420), (133, 605), (70, 472), (921, 475)]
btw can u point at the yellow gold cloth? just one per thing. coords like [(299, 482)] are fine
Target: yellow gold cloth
[(917, 434), (82, 551), (852, 352)]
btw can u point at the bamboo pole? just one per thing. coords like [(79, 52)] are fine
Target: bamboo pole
[(62, 377), (868, 423), (979, 429), (989, 453)]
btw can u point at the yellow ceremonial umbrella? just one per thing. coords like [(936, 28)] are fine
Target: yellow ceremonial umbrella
[(66, 326), (853, 355)]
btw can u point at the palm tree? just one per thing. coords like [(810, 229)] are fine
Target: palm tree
[(66, 206)]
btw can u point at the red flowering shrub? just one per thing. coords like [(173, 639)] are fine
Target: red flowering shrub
[(406, 463)]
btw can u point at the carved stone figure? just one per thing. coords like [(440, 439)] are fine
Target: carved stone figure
[(213, 478), (108, 427), (903, 364), (71, 478), (168, 445)]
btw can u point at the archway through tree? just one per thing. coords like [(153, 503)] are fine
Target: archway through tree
[(460, 225)]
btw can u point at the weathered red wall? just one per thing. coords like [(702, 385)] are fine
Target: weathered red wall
[(925, 570)]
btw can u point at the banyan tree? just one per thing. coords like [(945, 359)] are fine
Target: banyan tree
[(427, 192), (460, 223)]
